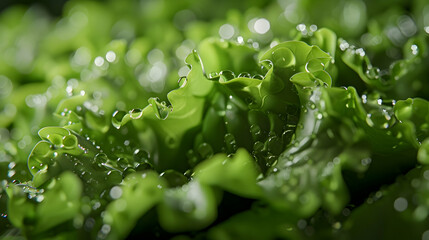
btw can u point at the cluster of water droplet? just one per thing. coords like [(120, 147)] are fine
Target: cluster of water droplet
[(227, 75), (264, 134), (306, 31), (358, 57), (379, 113)]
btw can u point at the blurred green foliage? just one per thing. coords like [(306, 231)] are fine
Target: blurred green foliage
[(215, 119)]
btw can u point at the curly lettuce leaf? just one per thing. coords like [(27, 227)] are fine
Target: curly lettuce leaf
[(337, 132), (37, 211)]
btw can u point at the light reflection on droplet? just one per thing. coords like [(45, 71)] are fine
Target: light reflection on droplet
[(115, 192), (105, 229), (78, 19), (226, 31), (353, 13), (99, 61), (414, 49), (37, 100), (273, 44), (407, 26), (183, 71), (400, 204), (155, 55), (10, 173), (301, 224), (313, 28), (110, 56), (157, 72), (360, 52), (132, 57), (262, 26), (292, 13)]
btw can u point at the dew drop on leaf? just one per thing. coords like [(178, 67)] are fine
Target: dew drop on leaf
[(160, 108), (182, 81), (136, 113), (140, 156), (69, 141), (227, 75), (174, 178), (230, 142), (205, 150), (117, 118), (244, 75)]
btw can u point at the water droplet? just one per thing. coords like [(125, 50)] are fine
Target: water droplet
[(421, 213), (336, 225), (373, 73), (11, 173), (174, 178), (128, 171), (244, 75), (258, 76), (302, 223), (258, 146), (360, 52), (230, 142), (261, 26), (414, 49), (160, 108), (227, 75), (226, 31), (192, 157), (275, 145), (344, 45), (144, 166), (69, 142), (100, 158), (380, 118), (368, 120), (182, 81), (364, 99), (99, 61), (366, 161), (213, 76), (136, 113), (115, 192), (110, 56), (140, 156), (287, 136), (255, 130), (117, 118), (205, 150), (314, 65), (122, 162), (346, 212), (400, 204), (11, 165), (240, 40)]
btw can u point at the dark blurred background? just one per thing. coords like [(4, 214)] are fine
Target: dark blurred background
[(54, 7)]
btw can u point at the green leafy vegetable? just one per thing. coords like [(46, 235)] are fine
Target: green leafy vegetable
[(179, 120)]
